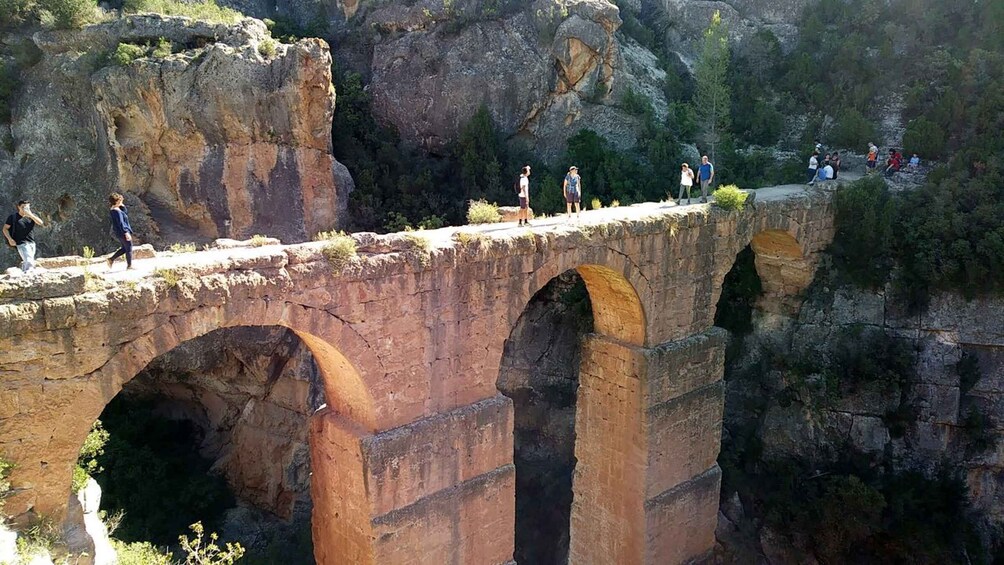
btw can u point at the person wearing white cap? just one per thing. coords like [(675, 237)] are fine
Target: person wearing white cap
[(572, 187)]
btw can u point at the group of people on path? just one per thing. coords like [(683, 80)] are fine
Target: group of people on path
[(19, 227), (825, 168), (571, 188), (893, 163)]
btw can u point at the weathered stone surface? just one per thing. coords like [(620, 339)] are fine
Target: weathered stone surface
[(542, 70), (196, 157)]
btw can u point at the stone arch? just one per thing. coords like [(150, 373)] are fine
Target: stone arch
[(615, 290), (609, 363), (783, 264), (785, 270), (341, 520)]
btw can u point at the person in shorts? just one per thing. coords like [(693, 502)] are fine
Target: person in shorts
[(524, 197), (872, 159), (572, 187)]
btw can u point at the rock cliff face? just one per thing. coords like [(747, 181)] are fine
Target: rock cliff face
[(946, 412), (219, 138), (544, 71)]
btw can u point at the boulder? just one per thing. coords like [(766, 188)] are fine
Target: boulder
[(213, 140)]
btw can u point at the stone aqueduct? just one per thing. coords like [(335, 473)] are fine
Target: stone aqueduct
[(412, 457)]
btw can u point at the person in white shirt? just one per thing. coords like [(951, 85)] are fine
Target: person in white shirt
[(813, 165), (686, 182), (524, 197), (828, 169)]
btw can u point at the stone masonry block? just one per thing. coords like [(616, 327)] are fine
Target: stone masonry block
[(680, 523), (471, 523), (406, 464), (684, 437), (680, 366)]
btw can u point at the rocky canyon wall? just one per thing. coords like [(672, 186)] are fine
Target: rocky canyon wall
[(228, 135), (943, 413)]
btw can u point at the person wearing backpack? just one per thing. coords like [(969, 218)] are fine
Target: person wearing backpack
[(523, 191), (121, 228), (572, 187), (17, 231)]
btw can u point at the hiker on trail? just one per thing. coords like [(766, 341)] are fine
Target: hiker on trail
[(686, 182), (872, 161), (17, 231), (813, 166), (706, 174), (914, 162), (835, 161), (572, 188), (121, 228), (524, 197)]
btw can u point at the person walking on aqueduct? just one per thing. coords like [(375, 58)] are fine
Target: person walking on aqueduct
[(121, 228), (686, 183), (572, 188), (17, 231), (524, 197), (706, 174)]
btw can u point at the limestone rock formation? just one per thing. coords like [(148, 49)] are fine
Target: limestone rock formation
[(221, 138), (544, 71)]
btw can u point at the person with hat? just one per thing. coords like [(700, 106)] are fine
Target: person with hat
[(572, 187)]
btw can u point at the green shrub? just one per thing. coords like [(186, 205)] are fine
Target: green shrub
[(483, 212), (140, 553), (730, 197), (208, 11), (431, 222), (126, 53), (182, 248), (925, 138), (862, 245), (635, 103), (69, 14), (979, 432), (170, 276), (267, 48), (40, 537), (87, 461), (206, 552), (162, 49), (259, 240), (852, 130), (595, 204), (5, 469), (340, 249)]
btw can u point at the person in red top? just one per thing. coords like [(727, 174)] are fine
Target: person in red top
[(893, 163)]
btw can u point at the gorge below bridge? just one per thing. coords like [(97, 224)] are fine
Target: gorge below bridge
[(412, 455)]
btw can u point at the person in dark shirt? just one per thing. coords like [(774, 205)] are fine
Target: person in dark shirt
[(17, 231), (120, 226)]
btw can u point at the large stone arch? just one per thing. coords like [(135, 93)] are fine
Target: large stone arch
[(341, 519), (607, 522)]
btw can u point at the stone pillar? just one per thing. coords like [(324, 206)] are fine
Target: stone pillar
[(648, 432), (439, 490)]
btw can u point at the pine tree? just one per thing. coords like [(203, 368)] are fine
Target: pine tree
[(712, 99)]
